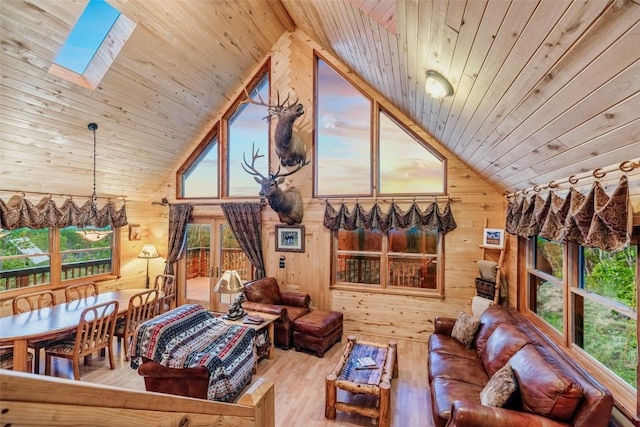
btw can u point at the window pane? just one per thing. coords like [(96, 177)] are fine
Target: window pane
[(24, 258), (359, 240), (83, 255), (413, 241), (546, 301), (619, 351), (611, 275), (549, 258), (407, 166), (233, 257), (201, 179), (247, 127), (412, 272), (358, 269), (343, 136)]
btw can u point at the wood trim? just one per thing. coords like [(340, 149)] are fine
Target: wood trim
[(283, 15)]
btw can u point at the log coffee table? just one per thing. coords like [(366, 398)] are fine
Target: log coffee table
[(348, 375)]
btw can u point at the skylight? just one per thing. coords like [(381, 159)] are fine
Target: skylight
[(86, 37)]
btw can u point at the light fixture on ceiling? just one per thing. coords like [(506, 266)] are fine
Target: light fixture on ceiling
[(87, 231), (437, 85)]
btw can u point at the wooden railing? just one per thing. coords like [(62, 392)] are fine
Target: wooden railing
[(198, 262), (20, 278), (29, 399), (406, 273)]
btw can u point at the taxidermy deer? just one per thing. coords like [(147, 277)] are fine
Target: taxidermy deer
[(286, 203), (289, 146)]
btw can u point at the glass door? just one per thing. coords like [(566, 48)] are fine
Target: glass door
[(211, 249)]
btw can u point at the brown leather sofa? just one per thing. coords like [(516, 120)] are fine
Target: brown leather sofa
[(552, 390), (264, 295)]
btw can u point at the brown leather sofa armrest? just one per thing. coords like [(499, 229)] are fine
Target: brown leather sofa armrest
[(149, 368), (278, 310), (443, 325), (295, 299), (469, 414)]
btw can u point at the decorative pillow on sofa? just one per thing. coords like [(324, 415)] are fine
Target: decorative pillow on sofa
[(500, 388), (465, 329)]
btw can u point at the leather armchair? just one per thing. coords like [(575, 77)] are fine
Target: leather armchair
[(264, 295)]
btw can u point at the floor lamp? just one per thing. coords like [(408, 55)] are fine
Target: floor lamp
[(148, 251)]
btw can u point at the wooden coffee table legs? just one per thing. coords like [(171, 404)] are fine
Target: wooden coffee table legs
[(381, 389)]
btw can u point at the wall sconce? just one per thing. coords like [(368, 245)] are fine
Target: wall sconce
[(437, 85)]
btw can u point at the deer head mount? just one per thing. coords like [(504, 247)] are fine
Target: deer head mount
[(286, 203), (289, 146)]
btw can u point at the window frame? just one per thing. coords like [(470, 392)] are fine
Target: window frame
[(55, 270)]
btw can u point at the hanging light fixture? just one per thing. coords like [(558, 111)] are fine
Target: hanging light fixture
[(87, 231), (437, 85)]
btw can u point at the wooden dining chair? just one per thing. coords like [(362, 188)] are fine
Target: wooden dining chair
[(34, 301), (80, 290), (6, 359), (94, 333), (142, 307), (166, 284)]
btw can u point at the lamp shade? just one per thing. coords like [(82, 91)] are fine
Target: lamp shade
[(229, 283), (437, 85), (148, 251)]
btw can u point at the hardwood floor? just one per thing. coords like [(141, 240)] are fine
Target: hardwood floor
[(299, 384)]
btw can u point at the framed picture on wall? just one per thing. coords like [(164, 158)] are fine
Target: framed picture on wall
[(493, 238), (135, 232), (290, 238)]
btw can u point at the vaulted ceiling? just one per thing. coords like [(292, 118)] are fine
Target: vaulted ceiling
[(543, 89)]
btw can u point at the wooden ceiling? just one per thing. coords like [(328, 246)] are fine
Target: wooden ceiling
[(543, 89)]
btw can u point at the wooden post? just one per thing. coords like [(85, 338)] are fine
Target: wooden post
[(384, 413), (330, 397)]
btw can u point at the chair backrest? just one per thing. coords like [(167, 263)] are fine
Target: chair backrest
[(166, 283), (32, 301), (96, 327), (142, 307), (80, 290)]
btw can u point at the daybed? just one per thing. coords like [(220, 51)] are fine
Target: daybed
[(188, 351), (550, 389)]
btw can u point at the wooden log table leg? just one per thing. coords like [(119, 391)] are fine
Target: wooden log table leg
[(330, 396), (384, 410)]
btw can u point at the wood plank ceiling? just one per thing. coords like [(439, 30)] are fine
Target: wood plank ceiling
[(543, 89)]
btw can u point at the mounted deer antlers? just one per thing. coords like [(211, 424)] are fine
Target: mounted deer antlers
[(289, 147), (286, 203)]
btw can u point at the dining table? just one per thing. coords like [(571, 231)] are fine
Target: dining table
[(53, 322)]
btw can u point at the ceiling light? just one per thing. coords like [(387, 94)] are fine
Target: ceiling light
[(437, 85)]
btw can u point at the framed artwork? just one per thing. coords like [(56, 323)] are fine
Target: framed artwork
[(135, 233), (290, 238), (493, 238)]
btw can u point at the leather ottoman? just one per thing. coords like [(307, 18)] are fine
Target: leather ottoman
[(317, 331)]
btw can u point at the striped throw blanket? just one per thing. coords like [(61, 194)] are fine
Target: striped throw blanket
[(189, 336)]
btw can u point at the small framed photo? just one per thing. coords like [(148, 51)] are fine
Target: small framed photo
[(135, 232), (290, 238), (493, 238)]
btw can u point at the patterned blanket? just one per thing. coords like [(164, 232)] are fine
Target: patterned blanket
[(189, 336)]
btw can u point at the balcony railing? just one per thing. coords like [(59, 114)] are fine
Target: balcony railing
[(198, 262), (23, 277)]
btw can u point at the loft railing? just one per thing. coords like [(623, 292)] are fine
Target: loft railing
[(406, 273), (29, 276)]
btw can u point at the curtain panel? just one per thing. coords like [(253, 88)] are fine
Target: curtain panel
[(595, 220), (245, 220), (395, 217), (19, 212), (179, 215)]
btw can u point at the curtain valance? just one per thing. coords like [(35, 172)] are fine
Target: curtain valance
[(595, 220), (20, 212), (432, 217)]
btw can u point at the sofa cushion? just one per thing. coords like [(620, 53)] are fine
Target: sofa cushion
[(445, 391), (465, 329), (265, 290), (447, 344), (546, 387), (458, 368), (490, 319), (503, 343), (500, 388)]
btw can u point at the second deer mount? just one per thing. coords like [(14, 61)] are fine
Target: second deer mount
[(290, 148), (286, 203)]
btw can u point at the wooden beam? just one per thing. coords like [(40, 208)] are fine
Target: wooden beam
[(283, 15)]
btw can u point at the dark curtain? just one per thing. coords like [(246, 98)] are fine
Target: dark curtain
[(245, 220), (596, 220), (179, 215), (20, 212), (432, 217)]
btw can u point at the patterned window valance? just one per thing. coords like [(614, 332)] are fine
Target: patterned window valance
[(426, 220), (595, 220), (20, 212)]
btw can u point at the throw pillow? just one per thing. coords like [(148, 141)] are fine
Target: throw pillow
[(465, 329), (500, 388)]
